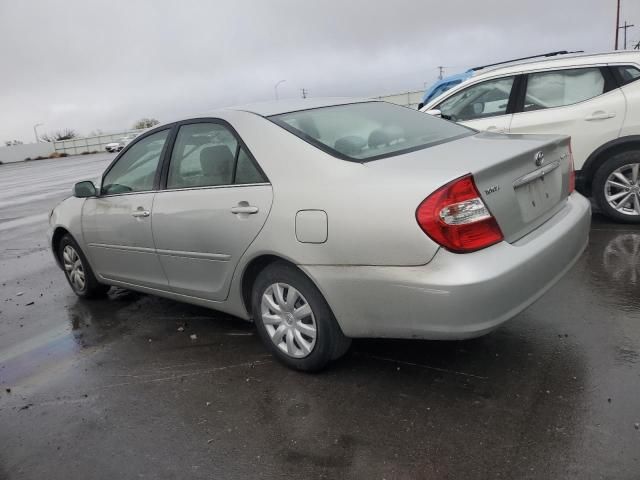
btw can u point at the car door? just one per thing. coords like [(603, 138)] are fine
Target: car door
[(581, 102), (483, 105), (215, 202), (117, 224)]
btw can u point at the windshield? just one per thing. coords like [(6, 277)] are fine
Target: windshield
[(370, 130)]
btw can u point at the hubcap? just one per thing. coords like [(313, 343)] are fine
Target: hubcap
[(622, 189), (73, 267), (288, 319)]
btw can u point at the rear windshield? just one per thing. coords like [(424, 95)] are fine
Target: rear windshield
[(370, 130)]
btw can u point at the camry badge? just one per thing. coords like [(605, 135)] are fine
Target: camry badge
[(539, 159)]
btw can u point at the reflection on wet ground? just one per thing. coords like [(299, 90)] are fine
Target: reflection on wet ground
[(117, 388), (621, 258)]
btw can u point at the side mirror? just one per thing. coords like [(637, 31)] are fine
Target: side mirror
[(435, 112), (85, 189)]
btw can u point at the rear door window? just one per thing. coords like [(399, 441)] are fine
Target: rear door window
[(562, 87), (628, 73), (208, 154)]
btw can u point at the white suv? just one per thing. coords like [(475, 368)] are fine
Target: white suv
[(593, 98)]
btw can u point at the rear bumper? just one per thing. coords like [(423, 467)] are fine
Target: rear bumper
[(456, 296)]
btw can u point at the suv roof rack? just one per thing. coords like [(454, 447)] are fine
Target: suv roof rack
[(550, 54)]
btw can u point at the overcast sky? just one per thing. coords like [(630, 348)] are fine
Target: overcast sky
[(88, 64)]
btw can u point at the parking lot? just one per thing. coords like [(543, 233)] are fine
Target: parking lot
[(117, 388)]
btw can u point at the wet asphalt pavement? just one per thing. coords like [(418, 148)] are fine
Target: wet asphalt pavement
[(110, 389)]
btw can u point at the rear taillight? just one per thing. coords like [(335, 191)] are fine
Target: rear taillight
[(572, 172), (456, 217)]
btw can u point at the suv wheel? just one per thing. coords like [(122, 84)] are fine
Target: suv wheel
[(616, 187), (293, 319)]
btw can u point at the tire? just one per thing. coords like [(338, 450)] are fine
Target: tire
[(290, 336), (624, 164), (77, 270)]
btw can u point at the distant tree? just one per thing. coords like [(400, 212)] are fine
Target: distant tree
[(65, 134), (10, 143), (96, 133), (145, 123)]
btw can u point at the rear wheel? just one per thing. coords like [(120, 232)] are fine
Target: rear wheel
[(78, 271), (616, 187), (293, 319)]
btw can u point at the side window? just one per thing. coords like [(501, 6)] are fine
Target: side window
[(628, 73), (482, 100), (246, 171), (135, 171), (208, 154), (562, 87)]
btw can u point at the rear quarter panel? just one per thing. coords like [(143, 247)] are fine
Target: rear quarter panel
[(371, 214), (631, 124)]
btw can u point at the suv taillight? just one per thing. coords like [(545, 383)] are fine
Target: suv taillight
[(572, 172), (456, 217)]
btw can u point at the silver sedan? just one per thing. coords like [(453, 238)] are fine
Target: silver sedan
[(326, 220)]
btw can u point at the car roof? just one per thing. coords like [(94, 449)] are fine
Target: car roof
[(272, 107), (578, 59), (277, 107)]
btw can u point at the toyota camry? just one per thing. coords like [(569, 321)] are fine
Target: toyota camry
[(323, 220)]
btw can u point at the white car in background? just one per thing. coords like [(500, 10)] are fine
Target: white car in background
[(593, 98), (120, 144), (112, 147)]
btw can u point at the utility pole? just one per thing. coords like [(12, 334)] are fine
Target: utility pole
[(625, 27), (305, 92), (441, 71), (617, 24)]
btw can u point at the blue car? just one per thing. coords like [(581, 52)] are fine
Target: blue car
[(443, 85)]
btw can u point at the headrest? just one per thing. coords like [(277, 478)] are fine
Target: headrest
[(216, 160), (350, 145)]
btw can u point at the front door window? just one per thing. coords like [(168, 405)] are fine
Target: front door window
[(482, 100), (135, 171)]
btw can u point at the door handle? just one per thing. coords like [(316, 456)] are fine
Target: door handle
[(599, 116), (141, 213), (248, 209)]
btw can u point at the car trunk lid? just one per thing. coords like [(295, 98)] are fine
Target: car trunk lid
[(523, 179)]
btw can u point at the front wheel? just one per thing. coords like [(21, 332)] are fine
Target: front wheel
[(616, 187), (293, 319), (78, 271)]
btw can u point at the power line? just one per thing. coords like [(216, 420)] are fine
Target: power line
[(625, 27)]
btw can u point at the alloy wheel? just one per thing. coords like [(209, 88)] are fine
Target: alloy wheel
[(622, 189), (289, 320), (73, 268)]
